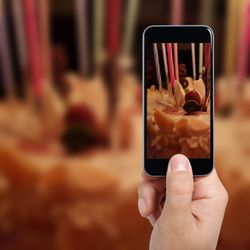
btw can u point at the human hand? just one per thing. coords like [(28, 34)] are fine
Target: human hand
[(186, 212)]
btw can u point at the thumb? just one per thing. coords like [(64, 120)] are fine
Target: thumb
[(179, 186)]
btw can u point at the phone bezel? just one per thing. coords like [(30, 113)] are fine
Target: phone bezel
[(179, 34)]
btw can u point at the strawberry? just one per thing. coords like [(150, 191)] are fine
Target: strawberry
[(193, 95)]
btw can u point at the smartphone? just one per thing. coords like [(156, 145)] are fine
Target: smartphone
[(178, 106)]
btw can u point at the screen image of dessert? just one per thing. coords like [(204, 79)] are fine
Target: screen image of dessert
[(178, 99), (71, 117)]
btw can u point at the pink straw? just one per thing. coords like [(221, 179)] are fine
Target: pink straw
[(207, 55), (33, 50), (113, 26), (177, 11), (43, 8), (170, 64), (244, 45)]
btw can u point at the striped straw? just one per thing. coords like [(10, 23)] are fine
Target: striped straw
[(33, 50), (176, 66), (157, 66), (170, 64)]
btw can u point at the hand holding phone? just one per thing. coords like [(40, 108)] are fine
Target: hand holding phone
[(188, 211), (178, 97)]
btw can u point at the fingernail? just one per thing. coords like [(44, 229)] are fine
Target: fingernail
[(142, 206), (179, 163), (152, 220)]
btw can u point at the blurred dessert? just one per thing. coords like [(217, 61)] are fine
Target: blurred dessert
[(232, 156), (57, 184)]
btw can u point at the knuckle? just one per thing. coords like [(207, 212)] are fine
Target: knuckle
[(224, 195)]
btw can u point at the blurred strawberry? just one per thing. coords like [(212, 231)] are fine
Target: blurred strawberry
[(81, 114), (81, 130)]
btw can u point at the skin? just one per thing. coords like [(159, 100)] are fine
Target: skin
[(185, 212)]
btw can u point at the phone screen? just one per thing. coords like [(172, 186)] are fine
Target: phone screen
[(177, 100)]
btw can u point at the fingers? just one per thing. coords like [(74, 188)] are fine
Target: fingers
[(148, 199), (179, 185), (210, 187), (179, 188)]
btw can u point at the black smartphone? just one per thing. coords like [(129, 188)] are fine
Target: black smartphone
[(178, 104)]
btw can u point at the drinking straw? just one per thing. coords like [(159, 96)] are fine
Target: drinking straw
[(157, 66), (193, 60), (164, 54), (130, 21), (17, 13), (176, 12), (81, 27), (165, 64), (207, 15), (207, 67), (5, 55), (244, 42), (170, 64), (232, 25), (32, 45), (113, 26), (99, 25), (207, 55), (44, 37), (200, 59), (176, 66)]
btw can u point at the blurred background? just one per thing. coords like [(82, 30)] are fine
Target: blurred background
[(70, 119)]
